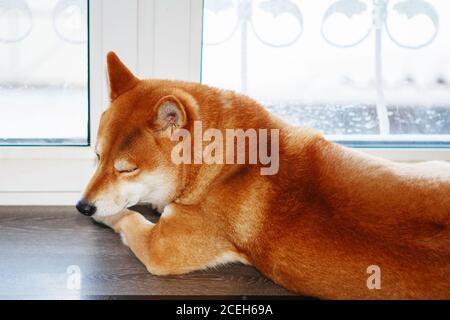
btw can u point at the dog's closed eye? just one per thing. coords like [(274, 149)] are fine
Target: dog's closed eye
[(127, 170), (123, 166)]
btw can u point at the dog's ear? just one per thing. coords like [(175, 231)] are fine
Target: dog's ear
[(120, 78), (170, 114)]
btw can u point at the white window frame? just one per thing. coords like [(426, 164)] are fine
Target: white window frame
[(156, 39)]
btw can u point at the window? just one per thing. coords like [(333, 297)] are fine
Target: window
[(366, 73), (45, 101), (44, 72)]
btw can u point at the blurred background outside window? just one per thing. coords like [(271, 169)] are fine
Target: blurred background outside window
[(365, 72), (44, 72)]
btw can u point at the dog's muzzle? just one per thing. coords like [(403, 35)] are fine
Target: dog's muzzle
[(86, 208)]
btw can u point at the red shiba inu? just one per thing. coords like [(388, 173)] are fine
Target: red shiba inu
[(328, 222)]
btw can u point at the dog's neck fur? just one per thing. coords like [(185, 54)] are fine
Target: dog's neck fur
[(239, 112)]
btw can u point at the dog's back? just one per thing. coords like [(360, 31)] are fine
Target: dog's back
[(336, 212)]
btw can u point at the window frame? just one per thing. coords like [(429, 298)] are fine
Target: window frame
[(156, 39)]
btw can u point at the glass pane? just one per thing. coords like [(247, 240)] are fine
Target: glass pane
[(363, 72), (44, 72)]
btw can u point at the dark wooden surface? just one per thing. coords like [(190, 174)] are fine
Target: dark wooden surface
[(38, 244)]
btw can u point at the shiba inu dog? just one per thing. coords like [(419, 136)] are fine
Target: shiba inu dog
[(330, 222)]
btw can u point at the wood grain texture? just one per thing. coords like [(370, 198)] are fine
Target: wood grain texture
[(38, 244)]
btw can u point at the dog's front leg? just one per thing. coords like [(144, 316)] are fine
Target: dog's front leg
[(180, 242)]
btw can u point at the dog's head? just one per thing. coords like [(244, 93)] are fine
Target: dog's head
[(133, 145)]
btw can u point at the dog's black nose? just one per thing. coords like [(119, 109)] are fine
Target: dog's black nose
[(86, 208)]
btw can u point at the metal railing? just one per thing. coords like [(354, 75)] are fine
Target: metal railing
[(68, 20), (349, 8)]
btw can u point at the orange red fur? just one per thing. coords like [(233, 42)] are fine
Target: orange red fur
[(314, 227)]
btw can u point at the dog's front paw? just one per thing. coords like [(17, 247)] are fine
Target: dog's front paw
[(123, 237), (112, 221), (158, 208)]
